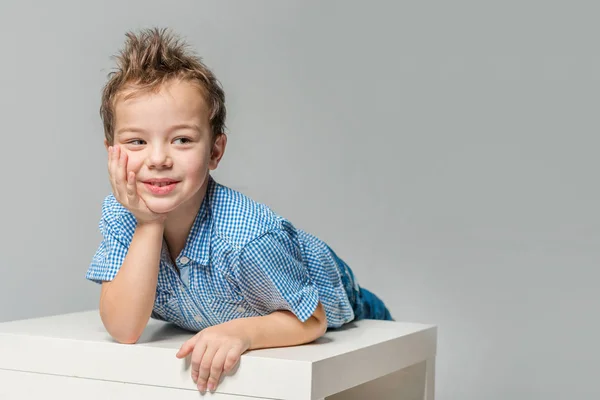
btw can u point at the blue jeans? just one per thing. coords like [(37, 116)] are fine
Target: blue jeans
[(366, 305)]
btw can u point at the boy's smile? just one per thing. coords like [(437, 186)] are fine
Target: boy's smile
[(160, 186), (167, 137)]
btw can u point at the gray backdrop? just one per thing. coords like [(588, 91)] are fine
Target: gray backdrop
[(446, 150)]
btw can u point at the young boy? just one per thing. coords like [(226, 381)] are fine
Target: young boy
[(180, 247)]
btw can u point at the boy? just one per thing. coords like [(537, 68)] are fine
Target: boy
[(179, 247)]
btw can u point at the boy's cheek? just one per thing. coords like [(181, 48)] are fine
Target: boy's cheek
[(133, 163)]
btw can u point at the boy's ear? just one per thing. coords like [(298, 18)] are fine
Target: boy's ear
[(218, 149)]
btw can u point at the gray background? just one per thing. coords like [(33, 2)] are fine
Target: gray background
[(447, 150)]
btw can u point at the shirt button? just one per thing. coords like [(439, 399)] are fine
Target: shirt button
[(241, 309), (198, 318), (184, 260)]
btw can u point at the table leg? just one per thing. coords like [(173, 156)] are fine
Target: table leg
[(429, 379)]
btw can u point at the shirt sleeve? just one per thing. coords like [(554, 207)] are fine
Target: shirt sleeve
[(108, 257), (272, 275)]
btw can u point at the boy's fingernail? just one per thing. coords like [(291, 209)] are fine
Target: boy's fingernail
[(211, 387)]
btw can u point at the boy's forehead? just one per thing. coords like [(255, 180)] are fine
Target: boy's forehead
[(172, 103)]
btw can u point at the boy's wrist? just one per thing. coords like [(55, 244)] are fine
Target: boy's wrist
[(245, 329), (154, 226), (155, 223)]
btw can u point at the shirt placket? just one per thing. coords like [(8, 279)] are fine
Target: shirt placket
[(194, 312)]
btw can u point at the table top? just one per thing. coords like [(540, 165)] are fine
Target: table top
[(76, 344), (87, 326)]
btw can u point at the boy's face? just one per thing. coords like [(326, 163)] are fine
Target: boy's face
[(168, 135)]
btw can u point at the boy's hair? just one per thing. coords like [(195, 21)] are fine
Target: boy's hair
[(148, 60)]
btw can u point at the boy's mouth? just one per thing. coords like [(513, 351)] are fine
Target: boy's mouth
[(160, 182), (160, 187)]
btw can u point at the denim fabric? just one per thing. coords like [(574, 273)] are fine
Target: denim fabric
[(366, 304)]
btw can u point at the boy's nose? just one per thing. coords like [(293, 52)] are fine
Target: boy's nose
[(159, 159)]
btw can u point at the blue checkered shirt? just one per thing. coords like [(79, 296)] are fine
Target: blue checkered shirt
[(240, 260)]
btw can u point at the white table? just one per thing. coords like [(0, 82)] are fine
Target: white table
[(73, 357)]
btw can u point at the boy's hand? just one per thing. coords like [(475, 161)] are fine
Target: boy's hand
[(124, 187), (215, 350)]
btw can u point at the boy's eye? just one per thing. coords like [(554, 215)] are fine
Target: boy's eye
[(136, 142), (182, 140)]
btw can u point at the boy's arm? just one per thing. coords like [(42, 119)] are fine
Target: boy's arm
[(126, 302), (281, 328)]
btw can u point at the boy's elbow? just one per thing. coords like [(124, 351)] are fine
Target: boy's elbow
[(120, 333), (321, 319), (127, 339), (124, 337), (322, 329)]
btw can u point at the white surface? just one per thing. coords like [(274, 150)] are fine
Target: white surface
[(17, 385), (76, 345)]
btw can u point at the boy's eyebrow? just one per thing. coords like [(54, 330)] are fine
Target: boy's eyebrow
[(171, 129), (185, 126), (131, 129)]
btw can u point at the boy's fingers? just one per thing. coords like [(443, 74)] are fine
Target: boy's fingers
[(204, 367), (197, 356), (109, 158), (116, 169), (122, 168), (217, 368), (185, 349), (233, 356), (131, 190), (111, 169), (115, 162)]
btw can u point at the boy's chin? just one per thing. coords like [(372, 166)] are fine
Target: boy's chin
[(161, 206)]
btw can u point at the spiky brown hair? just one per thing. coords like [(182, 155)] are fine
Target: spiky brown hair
[(151, 58)]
